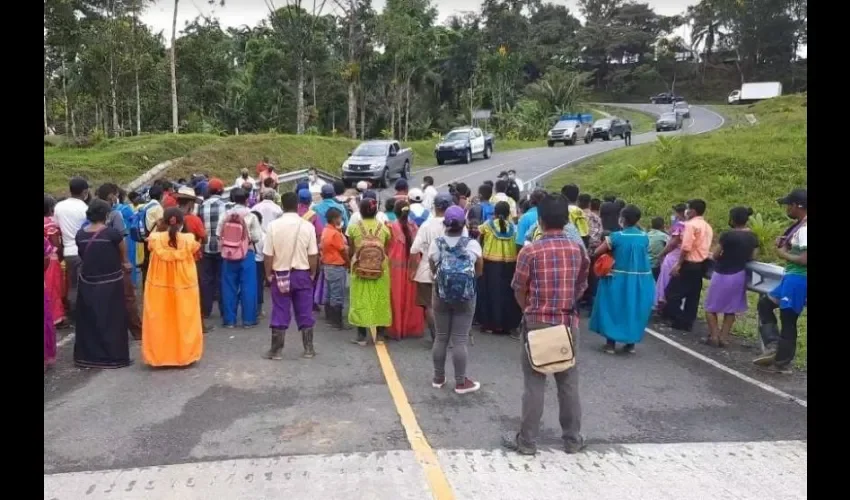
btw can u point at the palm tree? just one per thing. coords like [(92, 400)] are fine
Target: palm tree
[(707, 21)]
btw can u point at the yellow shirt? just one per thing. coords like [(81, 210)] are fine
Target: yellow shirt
[(498, 247)]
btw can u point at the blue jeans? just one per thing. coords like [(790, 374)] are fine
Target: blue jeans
[(239, 287), (335, 278)]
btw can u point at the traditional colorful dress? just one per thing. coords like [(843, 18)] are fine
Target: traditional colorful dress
[(370, 299), (669, 263), (49, 327), (54, 279), (172, 333), (496, 309), (408, 319)]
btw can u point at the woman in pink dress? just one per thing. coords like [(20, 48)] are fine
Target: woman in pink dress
[(670, 255), (49, 327), (54, 281)]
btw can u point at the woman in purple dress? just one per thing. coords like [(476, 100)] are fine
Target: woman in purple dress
[(727, 292), (670, 255)]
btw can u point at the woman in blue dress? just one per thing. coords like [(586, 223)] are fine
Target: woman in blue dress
[(624, 299)]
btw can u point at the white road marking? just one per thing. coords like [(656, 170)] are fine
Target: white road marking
[(730, 371), (470, 174), (680, 471)]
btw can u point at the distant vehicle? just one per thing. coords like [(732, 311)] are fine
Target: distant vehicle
[(682, 108), (669, 121), (752, 92), (665, 98), (571, 128), (463, 144), (377, 161), (608, 128)]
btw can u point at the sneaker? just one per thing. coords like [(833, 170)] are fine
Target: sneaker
[(765, 359), (573, 447), (783, 369), (360, 342), (467, 386), (609, 348), (515, 335), (512, 444), (438, 383), (629, 348)]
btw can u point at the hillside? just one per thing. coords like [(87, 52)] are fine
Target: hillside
[(741, 164), (122, 160)]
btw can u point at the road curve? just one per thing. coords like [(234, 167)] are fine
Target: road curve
[(537, 163)]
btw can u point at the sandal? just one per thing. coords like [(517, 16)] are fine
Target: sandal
[(711, 342)]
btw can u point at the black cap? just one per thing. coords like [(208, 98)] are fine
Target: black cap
[(797, 197), (681, 207)]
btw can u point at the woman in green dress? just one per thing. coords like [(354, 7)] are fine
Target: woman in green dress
[(370, 293)]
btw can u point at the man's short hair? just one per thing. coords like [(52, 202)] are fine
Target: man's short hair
[(552, 212)]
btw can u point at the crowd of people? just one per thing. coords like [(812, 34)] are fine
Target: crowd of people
[(430, 264)]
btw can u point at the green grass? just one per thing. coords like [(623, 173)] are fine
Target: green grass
[(742, 164), (641, 121), (122, 160)]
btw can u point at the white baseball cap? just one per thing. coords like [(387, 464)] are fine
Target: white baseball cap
[(415, 195), (362, 186)]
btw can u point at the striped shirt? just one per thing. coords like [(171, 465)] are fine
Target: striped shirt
[(210, 212)]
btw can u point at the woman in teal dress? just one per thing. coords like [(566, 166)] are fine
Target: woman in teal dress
[(624, 299)]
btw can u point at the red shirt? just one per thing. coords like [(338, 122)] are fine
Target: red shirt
[(195, 225), (169, 201), (554, 271), (262, 167)]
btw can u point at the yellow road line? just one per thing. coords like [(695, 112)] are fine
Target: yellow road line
[(440, 487)]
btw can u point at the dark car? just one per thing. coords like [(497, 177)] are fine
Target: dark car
[(608, 128), (665, 98), (668, 121)]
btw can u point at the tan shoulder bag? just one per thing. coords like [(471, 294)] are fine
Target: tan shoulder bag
[(550, 350)]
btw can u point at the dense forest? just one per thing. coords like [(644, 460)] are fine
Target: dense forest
[(339, 67)]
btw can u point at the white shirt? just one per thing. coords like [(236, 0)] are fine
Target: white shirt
[(799, 240), (240, 181), (258, 251), (430, 193), (356, 218), (70, 214), (429, 231), (473, 248), (316, 187), (417, 209), (518, 183), (269, 210)]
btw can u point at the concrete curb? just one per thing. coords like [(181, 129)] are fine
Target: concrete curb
[(151, 174)]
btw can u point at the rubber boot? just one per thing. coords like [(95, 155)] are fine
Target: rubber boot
[(307, 339), (277, 345), (767, 331), (335, 316)]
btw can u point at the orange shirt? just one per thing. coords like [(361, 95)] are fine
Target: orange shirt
[(195, 225), (169, 201), (696, 239), (333, 246)]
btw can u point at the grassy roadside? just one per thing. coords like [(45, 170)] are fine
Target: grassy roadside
[(122, 160), (742, 164), (640, 120)]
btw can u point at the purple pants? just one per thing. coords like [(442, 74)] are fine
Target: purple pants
[(299, 298)]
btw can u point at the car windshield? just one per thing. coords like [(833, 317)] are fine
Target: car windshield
[(457, 135), (602, 123), (566, 124), (681, 104), (367, 149), (668, 116)]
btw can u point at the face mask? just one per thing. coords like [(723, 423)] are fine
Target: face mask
[(312, 178), (339, 224), (244, 176), (621, 222), (674, 219)]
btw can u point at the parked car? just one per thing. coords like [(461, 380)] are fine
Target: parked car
[(669, 121), (570, 129), (682, 108), (463, 144), (665, 98), (377, 161), (608, 128)]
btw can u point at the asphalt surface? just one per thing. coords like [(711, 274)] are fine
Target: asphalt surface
[(337, 407)]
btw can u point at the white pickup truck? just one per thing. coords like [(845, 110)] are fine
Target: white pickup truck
[(752, 92)]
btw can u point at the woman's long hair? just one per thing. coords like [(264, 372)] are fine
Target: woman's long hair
[(401, 209), (502, 211), (173, 218), (609, 212)]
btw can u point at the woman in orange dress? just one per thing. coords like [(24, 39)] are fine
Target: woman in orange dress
[(54, 280), (172, 331), (408, 318)]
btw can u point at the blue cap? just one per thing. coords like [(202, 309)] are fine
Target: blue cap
[(328, 191), (301, 185), (304, 196), (443, 201)]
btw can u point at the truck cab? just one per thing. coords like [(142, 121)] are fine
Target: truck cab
[(569, 129)]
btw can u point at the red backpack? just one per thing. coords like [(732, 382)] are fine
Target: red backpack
[(234, 238)]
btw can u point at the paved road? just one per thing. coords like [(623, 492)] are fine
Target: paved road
[(661, 424)]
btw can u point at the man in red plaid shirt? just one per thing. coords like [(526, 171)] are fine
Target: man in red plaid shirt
[(551, 275)]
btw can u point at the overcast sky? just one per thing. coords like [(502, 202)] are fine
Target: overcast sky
[(251, 12)]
